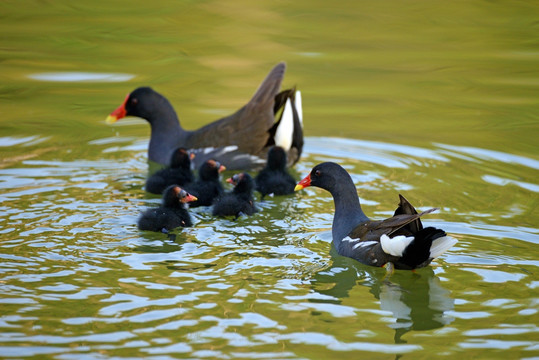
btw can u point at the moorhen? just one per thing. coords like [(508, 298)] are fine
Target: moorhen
[(239, 201), (274, 178), (400, 240), (178, 172), (171, 214), (207, 187), (238, 141)]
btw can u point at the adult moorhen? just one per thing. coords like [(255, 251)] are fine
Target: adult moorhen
[(171, 214), (178, 172), (238, 141), (207, 187), (239, 201), (400, 240), (274, 178)]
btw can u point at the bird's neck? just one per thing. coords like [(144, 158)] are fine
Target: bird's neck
[(172, 203), (277, 168), (243, 191), (209, 177), (348, 212), (166, 134)]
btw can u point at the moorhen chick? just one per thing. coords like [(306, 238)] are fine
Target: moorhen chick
[(274, 178), (239, 201), (207, 187), (171, 214), (178, 172), (400, 240), (238, 141)]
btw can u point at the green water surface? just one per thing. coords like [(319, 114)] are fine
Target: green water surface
[(434, 100)]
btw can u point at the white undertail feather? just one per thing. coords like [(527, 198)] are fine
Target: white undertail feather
[(285, 130), (299, 107), (441, 245), (395, 246)]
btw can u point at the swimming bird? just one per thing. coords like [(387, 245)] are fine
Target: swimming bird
[(238, 141), (178, 172), (399, 240), (239, 201), (171, 214), (207, 187), (274, 178)]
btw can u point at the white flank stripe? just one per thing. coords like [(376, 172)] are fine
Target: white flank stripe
[(230, 148), (441, 245), (299, 107), (207, 150), (348, 238), (395, 246), (364, 244), (285, 130)]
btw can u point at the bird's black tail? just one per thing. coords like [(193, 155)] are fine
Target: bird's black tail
[(418, 252)]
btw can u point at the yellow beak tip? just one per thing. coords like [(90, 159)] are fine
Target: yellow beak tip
[(298, 187), (111, 119)]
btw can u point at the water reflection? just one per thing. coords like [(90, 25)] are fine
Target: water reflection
[(417, 300)]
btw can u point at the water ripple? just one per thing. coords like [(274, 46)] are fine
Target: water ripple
[(492, 155), (71, 248)]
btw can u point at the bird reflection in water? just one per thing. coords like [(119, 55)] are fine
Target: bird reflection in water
[(417, 300)]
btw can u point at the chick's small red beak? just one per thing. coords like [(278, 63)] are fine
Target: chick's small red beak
[(189, 198), (230, 181), (119, 113), (303, 183)]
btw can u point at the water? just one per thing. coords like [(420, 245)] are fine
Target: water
[(436, 103)]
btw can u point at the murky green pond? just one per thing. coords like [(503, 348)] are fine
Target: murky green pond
[(437, 101)]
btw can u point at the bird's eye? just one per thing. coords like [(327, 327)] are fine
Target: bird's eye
[(134, 101), (317, 173)]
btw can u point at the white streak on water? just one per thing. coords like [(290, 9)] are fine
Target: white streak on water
[(81, 76)]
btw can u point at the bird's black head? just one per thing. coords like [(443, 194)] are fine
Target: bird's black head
[(276, 158), (180, 158), (243, 183), (324, 176), (142, 102), (175, 196), (210, 170)]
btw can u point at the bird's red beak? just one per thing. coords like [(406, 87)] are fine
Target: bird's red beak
[(184, 196), (119, 113), (189, 198), (303, 183), (234, 180), (222, 168)]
